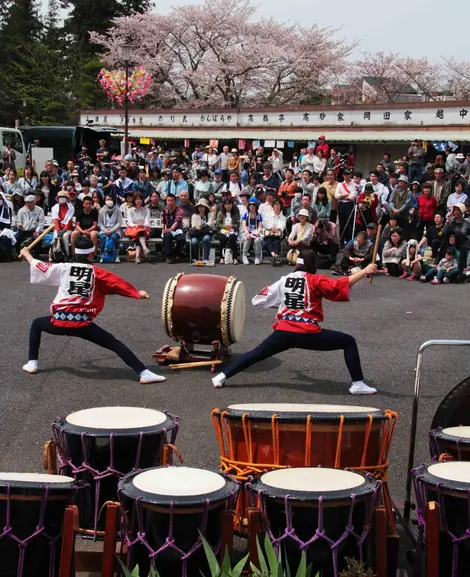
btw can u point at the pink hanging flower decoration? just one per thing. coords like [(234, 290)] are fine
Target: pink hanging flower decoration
[(114, 84)]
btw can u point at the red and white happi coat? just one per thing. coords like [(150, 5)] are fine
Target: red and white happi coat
[(299, 298), (82, 290)]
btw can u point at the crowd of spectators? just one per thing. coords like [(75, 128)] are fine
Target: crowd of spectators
[(250, 203)]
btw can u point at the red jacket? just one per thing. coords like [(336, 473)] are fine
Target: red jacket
[(427, 207)]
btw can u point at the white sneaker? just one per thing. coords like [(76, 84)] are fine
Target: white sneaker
[(147, 377), (446, 280), (117, 259), (257, 261), (219, 380), (245, 260), (362, 389), (31, 367)]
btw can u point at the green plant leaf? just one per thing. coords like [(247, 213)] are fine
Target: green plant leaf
[(271, 556), (211, 558), (255, 572), (226, 563), (124, 569), (262, 561), (153, 572), (135, 571), (302, 569), (237, 570)]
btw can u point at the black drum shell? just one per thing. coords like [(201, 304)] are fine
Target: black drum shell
[(440, 442)]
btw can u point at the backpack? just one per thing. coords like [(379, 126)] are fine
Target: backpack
[(56, 253), (228, 256), (109, 251)]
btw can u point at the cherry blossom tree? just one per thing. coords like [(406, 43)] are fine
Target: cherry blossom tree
[(458, 77), (219, 54)]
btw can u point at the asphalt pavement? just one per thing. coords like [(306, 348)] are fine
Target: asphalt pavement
[(390, 319)]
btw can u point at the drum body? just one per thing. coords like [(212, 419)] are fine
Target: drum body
[(449, 485), (203, 308), (453, 441), (99, 446), (325, 512), (32, 510), (168, 507)]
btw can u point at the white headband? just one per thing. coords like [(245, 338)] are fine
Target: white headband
[(84, 250)]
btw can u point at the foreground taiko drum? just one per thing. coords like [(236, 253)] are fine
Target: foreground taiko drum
[(203, 309), (325, 512), (454, 441), (32, 508), (166, 510), (100, 445), (449, 485), (263, 436)]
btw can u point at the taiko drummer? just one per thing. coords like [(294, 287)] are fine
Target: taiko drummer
[(79, 300), (298, 321)]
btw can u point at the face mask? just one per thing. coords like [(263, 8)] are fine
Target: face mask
[(62, 200), (109, 203)]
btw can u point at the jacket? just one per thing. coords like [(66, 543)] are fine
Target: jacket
[(393, 253), (308, 232), (427, 207), (400, 201), (110, 219), (207, 227), (220, 220)]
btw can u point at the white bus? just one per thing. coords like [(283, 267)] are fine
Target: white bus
[(15, 138)]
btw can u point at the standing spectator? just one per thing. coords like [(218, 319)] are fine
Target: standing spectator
[(394, 252), (367, 203), (427, 207), (30, 221), (460, 226), (67, 174), (234, 162), (387, 163), (346, 195), (416, 159), (211, 157), (252, 184), (224, 158), (274, 226), (303, 152), (308, 160), (7, 238), (457, 197), (245, 174), (268, 179), (252, 225), (234, 186), (319, 163), (202, 227), (333, 161), (259, 160), (331, 185), (203, 186), (197, 155), (286, 190), (295, 165), (122, 185), (217, 184), (307, 184), (380, 190), (102, 153), (322, 204), (138, 226), (428, 174), (277, 160), (173, 237), (82, 157), (382, 175), (412, 229), (306, 205), (9, 157), (110, 225), (323, 146), (177, 182), (227, 225), (440, 190), (266, 207), (143, 185), (28, 182), (86, 223), (400, 202)]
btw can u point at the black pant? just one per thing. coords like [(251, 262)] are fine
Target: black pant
[(333, 216), (345, 220), (331, 248), (22, 235), (279, 341), (394, 269), (92, 333), (229, 241), (168, 239), (274, 244)]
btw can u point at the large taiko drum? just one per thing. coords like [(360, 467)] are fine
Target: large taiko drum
[(100, 445), (203, 308), (166, 510), (32, 508), (454, 441), (325, 512), (449, 485)]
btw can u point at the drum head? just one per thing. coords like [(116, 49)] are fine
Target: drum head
[(456, 471), (116, 418), (33, 480), (236, 310), (178, 485), (293, 411), (457, 432), (311, 483)]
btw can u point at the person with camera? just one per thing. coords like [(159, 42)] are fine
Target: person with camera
[(325, 239), (202, 228), (274, 226), (345, 194), (286, 191)]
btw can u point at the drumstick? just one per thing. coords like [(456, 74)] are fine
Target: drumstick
[(376, 249), (194, 365), (40, 237)]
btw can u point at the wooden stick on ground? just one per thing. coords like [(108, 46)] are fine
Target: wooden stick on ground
[(195, 365), (376, 249), (40, 237)]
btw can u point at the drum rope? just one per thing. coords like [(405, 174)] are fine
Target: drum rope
[(366, 439), (247, 435), (275, 438), (216, 421), (308, 441), (228, 433), (339, 443)]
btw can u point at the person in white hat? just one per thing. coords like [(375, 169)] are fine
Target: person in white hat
[(202, 228), (302, 231), (299, 297), (29, 220)]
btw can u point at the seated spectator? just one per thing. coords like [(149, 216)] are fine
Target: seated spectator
[(17, 202), (86, 223), (7, 238), (233, 185), (410, 264), (202, 228), (28, 182), (188, 209), (266, 207), (162, 187), (367, 203), (412, 228), (126, 205), (138, 226), (305, 204), (29, 222), (457, 197), (41, 201), (110, 225), (143, 184), (156, 208), (98, 200), (300, 236), (252, 225), (399, 203), (218, 185), (173, 237), (274, 227), (211, 199), (357, 253), (227, 225), (73, 199), (325, 238), (269, 179), (243, 206), (62, 216), (427, 208), (203, 186), (394, 252), (434, 235), (322, 204), (245, 174), (12, 185), (122, 185), (446, 270), (458, 224)]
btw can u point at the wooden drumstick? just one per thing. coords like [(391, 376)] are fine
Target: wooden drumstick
[(194, 365), (376, 249), (40, 237)]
